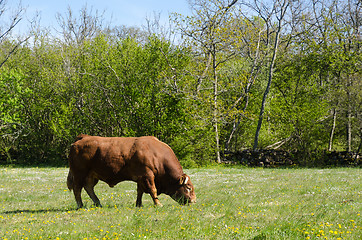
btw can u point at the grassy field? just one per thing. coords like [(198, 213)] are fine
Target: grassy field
[(233, 203)]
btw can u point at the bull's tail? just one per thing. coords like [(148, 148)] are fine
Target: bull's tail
[(70, 181), (70, 178)]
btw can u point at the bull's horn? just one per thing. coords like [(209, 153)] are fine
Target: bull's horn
[(186, 180)]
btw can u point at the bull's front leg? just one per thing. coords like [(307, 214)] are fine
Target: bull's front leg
[(147, 184), (155, 198), (153, 191)]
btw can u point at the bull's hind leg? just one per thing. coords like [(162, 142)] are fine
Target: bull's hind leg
[(89, 187), (139, 195), (77, 190)]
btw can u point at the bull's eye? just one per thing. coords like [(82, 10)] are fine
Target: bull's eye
[(188, 189)]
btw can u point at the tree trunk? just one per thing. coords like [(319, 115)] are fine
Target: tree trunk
[(332, 130), (215, 117), (253, 74), (349, 116), (349, 131), (281, 13), (359, 147), (270, 78)]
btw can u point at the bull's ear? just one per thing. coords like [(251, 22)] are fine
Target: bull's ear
[(183, 179)]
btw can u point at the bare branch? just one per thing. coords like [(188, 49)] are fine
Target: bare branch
[(6, 32)]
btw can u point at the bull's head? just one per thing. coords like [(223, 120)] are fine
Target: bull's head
[(185, 192)]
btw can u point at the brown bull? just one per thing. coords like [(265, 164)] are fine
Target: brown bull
[(145, 160)]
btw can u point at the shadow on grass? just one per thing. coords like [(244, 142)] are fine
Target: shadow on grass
[(37, 211), (259, 237), (19, 211)]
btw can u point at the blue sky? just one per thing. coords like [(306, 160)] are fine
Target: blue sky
[(121, 12)]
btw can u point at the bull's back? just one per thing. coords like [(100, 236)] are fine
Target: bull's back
[(112, 153), (114, 159), (91, 150)]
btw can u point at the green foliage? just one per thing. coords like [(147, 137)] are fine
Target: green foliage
[(212, 84), (108, 87), (12, 124), (299, 106), (11, 83)]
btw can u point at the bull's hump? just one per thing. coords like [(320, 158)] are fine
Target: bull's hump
[(81, 136)]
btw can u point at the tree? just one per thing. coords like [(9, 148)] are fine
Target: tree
[(209, 33), (12, 125), (6, 49), (11, 82), (254, 54), (337, 41), (324, 59), (77, 29), (274, 20)]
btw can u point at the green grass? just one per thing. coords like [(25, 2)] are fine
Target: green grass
[(232, 203)]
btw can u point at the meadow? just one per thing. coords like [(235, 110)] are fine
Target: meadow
[(232, 203)]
